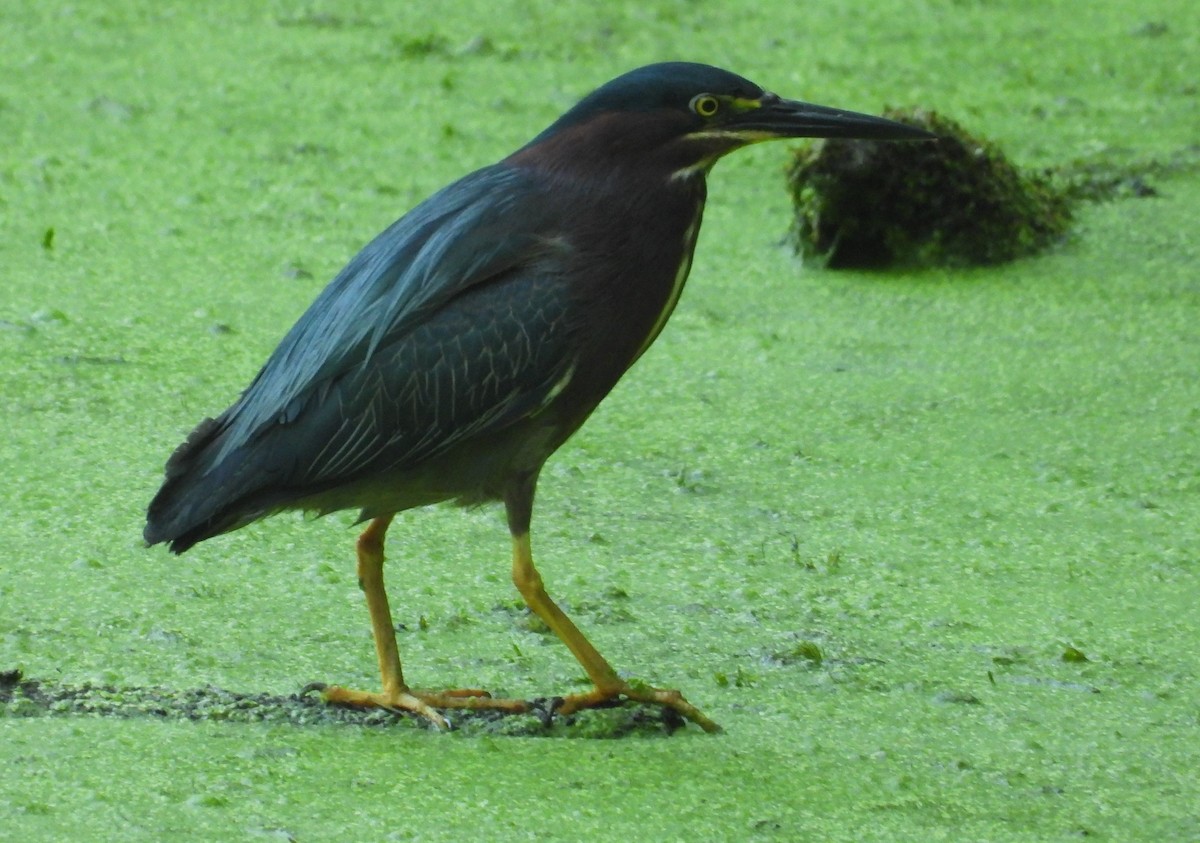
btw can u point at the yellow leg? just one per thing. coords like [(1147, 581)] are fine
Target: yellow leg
[(396, 695), (609, 687)]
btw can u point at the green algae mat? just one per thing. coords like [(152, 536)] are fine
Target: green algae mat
[(925, 544)]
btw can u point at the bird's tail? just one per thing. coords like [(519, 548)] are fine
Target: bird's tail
[(203, 494)]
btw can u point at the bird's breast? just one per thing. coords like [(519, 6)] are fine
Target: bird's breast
[(685, 248), (624, 250)]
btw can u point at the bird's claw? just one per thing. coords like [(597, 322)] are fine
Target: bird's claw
[(543, 709), (675, 710), (311, 687), (397, 701), (423, 704)]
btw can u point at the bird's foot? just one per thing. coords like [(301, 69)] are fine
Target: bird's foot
[(421, 703), (669, 699)]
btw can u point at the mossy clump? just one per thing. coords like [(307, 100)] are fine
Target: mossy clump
[(956, 201)]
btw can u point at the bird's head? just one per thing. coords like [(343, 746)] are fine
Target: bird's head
[(684, 116)]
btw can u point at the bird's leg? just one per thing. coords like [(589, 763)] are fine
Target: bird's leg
[(609, 687), (396, 695)]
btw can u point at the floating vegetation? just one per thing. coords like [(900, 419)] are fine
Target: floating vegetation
[(955, 201)]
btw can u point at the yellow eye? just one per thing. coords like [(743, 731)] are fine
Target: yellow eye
[(706, 105)]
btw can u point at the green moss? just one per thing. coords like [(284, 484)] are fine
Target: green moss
[(957, 201), (1074, 655), (800, 652)]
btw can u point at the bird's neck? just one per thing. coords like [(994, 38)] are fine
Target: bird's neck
[(605, 156), (633, 212)]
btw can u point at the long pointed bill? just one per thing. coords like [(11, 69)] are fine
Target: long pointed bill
[(782, 118)]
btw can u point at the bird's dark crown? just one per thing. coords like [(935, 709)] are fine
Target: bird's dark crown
[(676, 108), (668, 85)]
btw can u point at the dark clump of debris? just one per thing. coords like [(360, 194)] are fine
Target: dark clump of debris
[(22, 697), (956, 201)]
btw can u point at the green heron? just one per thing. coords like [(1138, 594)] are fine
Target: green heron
[(467, 342)]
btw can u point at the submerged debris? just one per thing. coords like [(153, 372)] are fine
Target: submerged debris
[(955, 201), (24, 697), (1111, 175)]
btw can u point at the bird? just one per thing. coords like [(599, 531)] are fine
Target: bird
[(468, 341)]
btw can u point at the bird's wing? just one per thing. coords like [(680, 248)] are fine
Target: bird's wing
[(451, 323), (492, 356), (467, 234)]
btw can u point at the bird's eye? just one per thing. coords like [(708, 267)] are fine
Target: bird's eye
[(706, 105)]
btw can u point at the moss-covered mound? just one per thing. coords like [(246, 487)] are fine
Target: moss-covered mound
[(955, 201)]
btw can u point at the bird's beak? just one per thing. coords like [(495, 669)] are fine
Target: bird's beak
[(779, 118)]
